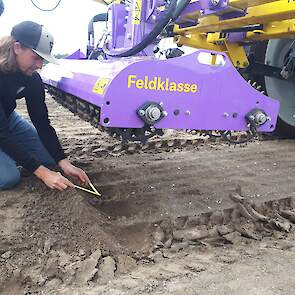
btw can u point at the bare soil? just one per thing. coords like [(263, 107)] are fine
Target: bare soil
[(165, 223)]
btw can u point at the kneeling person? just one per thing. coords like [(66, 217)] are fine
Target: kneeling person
[(35, 147)]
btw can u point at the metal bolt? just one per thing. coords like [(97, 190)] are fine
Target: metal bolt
[(141, 112), (165, 114), (224, 3), (153, 113), (215, 2), (260, 118), (225, 115), (187, 113)]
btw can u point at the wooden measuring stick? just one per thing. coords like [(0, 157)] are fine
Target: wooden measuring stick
[(87, 190), (94, 189)]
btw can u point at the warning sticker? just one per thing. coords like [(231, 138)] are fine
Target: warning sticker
[(137, 12), (100, 85)]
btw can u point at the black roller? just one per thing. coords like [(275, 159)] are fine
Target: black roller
[(282, 90)]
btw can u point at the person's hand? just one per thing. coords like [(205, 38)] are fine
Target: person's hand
[(73, 171), (53, 179)]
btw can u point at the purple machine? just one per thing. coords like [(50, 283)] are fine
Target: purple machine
[(140, 92)]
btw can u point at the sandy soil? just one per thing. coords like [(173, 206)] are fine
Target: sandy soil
[(166, 222)]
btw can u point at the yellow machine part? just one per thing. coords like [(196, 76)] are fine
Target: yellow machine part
[(277, 18), (244, 4)]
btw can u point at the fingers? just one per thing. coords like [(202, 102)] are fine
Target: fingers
[(62, 183), (68, 183), (83, 177), (56, 180), (71, 170), (58, 187)]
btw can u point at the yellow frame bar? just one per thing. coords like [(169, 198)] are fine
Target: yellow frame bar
[(243, 4), (262, 14)]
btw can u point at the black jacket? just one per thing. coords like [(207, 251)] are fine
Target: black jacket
[(34, 94)]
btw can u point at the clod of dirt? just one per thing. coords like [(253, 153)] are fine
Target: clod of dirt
[(106, 271), (193, 267), (125, 264), (179, 246), (234, 238), (226, 259), (156, 257), (51, 268), (192, 234), (87, 269)]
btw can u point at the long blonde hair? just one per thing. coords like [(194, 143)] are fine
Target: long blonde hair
[(7, 56)]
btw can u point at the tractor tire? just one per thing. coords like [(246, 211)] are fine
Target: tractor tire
[(282, 90)]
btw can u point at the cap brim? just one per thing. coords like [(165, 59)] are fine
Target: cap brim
[(47, 57)]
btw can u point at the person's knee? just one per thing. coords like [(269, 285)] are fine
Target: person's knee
[(9, 179)]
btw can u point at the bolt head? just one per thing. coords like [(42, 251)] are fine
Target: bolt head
[(141, 112), (260, 118), (215, 2), (154, 114)]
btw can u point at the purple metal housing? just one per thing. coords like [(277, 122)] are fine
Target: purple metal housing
[(207, 7), (193, 93), (129, 25)]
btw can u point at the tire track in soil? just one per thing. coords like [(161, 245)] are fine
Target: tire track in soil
[(150, 186), (139, 190)]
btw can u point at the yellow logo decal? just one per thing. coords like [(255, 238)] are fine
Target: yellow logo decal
[(136, 13), (156, 83), (100, 85)]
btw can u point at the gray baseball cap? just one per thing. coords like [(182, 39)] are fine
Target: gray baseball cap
[(36, 37)]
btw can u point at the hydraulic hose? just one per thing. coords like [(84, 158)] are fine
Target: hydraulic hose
[(102, 17), (179, 9), (173, 13)]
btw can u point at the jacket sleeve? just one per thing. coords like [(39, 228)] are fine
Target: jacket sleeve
[(38, 112), (11, 146)]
